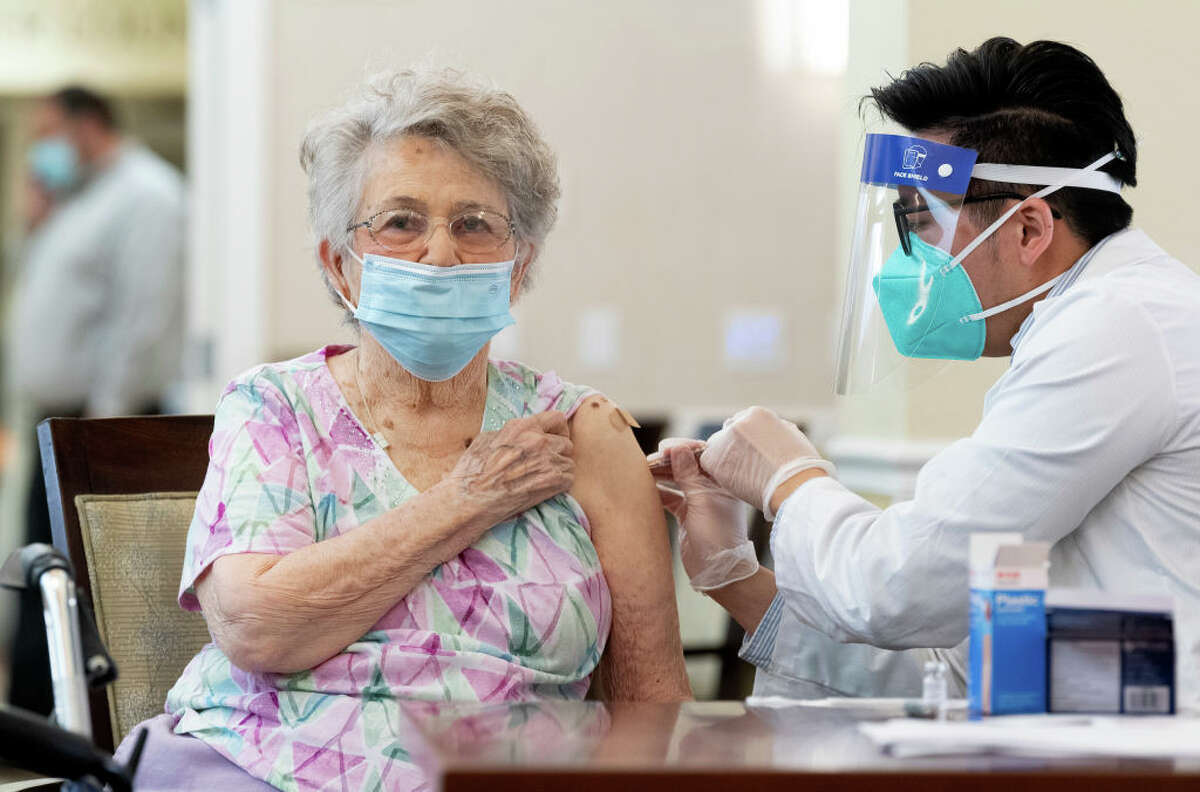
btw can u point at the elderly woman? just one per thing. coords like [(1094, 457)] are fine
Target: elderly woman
[(406, 520)]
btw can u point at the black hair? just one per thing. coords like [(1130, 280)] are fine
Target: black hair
[(77, 101), (1042, 103)]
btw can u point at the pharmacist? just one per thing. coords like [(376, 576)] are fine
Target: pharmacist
[(994, 227)]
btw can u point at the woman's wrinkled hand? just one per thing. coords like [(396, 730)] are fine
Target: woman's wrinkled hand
[(503, 473)]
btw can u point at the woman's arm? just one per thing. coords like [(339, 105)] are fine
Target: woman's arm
[(287, 613), (644, 657), (282, 614)]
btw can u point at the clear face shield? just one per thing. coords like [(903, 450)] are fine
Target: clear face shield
[(909, 305), (910, 196)]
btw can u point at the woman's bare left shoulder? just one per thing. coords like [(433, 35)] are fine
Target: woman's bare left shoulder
[(608, 461), (601, 425)]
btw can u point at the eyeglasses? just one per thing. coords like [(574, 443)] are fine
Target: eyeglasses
[(901, 213), (474, 232)]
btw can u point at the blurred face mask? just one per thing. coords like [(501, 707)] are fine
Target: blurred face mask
[(432, 320), (928, 301), (55, 163)]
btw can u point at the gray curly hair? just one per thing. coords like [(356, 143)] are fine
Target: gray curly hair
[(483, 124)]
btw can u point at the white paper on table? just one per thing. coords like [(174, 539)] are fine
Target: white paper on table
[(881, 706), (878, 706), (1042, 735)]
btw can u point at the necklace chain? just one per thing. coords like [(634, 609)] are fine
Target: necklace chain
[(376, 435)]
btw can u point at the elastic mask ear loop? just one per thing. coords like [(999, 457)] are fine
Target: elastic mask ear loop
[(346, 300), (1079, 175), (1075, 176), (1002, 307), (516, 259)]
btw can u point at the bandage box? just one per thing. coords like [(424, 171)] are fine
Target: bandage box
[(1007, 649), (1109, 652)]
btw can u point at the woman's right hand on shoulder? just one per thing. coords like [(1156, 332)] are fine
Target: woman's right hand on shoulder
[(501, 474)]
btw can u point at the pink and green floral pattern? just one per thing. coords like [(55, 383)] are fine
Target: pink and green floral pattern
[(521, 615)]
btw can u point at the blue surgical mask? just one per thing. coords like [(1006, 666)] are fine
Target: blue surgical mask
[(55, 163), (433, 320)]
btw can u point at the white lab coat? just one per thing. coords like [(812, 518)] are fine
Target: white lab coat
[(795, 661), (1091, 441)]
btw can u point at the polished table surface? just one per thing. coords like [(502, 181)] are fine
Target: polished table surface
[(701, 746)]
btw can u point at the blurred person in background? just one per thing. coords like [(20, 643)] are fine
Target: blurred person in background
[(94, 326)]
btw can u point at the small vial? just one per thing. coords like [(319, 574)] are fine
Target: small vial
[(934, 691)]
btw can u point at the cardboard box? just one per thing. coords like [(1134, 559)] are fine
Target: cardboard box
[(1007, 652), (1109, 652)]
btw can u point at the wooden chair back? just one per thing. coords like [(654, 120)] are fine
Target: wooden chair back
[(115, 456)]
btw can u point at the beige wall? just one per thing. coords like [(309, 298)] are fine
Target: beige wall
[(1148, 51), (694, 180)]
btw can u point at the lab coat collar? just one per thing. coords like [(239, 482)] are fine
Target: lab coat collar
[(1124, 248)]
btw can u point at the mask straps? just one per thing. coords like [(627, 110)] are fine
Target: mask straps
[(1066, 177), (344, 298), (1070, 179), (1002, 307)]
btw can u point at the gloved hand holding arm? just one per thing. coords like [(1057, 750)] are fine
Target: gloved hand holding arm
[(757, 453)]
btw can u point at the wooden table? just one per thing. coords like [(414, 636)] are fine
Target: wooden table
[(706, 747), (14, 780)]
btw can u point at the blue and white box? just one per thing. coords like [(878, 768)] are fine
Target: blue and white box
[(1007, 652), (1110, 652)]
